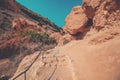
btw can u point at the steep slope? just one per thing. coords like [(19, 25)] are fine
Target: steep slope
[(12, 9), (94, 56), (22, 32)]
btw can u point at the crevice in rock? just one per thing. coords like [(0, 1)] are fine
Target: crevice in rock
[(77, 34), (89, 23)]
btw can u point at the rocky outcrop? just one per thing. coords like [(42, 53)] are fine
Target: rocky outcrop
[(92, 3), (107, 14), (75, 21), (90, 7), (99, 14), (103, 12), (22, 23)]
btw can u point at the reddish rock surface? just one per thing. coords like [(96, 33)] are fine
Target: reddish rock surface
[(10, 5), (96, 56), (93, 13), (75, 21), (58, 37), (22, 23), (107, 14), (15, 22)]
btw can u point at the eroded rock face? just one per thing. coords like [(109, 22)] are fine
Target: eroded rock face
[(100, 14), (75, 21), (90, 7), (22, 23), (107, 15), (92, 3)]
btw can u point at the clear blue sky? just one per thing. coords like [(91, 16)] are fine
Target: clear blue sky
[(54, 10)]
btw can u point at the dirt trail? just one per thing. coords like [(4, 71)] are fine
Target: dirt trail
[(71, 67)]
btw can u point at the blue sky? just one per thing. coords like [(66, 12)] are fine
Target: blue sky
[(54, 10)]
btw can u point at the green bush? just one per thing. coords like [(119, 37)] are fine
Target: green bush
[(36, 37)]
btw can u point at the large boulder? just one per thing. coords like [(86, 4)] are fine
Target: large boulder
[(76, 21)]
